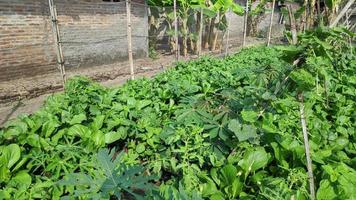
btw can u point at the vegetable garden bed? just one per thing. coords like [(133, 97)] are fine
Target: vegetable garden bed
[(206, 129)]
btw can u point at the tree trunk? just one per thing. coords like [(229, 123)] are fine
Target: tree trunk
[(305, 16), (311, 14), (152, 32), (171, 40), (185, 33), (211, 32), (252, 23), (213, 46), (192, 44), (199, 29), (206, 36), (292, 25)]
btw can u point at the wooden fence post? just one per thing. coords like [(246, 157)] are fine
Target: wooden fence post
[(245, 24), (200, 43), (228, 34), (270, 24), (176, 29), (57, 40), (129, 38)]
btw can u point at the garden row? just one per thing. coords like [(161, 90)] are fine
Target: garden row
[(206, 129)]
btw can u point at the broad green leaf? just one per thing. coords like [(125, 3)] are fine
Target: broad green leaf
[(254, 160), (217, 197), (4, 194), (79, 130), (235, 188), (33, 140), (98, 122), (10, 155), (228, 174), (214, 176), (249, 116), (325, 191), (98, 138), (320, 155), (140, 148), (77, 119), (21, 179), (56, 137), (242, 132), (142, 104), (48, 127), (267, 123), (16, 128), (237, 9), (114, 136), (303, 78), (214, 132)]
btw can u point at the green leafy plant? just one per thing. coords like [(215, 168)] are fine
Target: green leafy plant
[(210, 128), (111, 178)]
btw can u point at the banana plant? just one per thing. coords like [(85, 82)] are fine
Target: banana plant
[(222, 7), (217, 10)]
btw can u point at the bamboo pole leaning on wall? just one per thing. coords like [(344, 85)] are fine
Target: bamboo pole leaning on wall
[(176, 29), (271, 24), (57, 40), (245, 24), (129, 38)]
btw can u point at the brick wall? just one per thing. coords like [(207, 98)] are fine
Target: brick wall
[(93, 33), (26, 40)]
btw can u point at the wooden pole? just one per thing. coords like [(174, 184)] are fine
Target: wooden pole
[(245, 24), (305, 15), (57, 40), (176, 29), (306, 146), (200, 43), (271, 23), (129, 38), (228, 34)]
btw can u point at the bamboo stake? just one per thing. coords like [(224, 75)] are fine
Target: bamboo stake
[(271, 23), (200, 43), (129, 38), (306, 146), (57, 40), (228, 35), (245, 24), (176, 29)]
